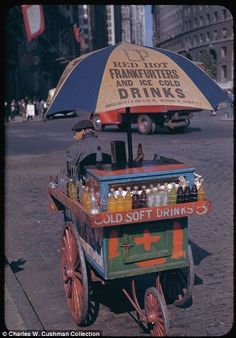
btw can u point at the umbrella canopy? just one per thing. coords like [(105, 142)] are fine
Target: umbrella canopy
[(127, 75)]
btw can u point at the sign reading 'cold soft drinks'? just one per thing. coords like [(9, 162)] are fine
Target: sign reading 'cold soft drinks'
[(150, 214)]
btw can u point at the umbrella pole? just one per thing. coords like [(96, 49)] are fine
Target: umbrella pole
[(129, 136)]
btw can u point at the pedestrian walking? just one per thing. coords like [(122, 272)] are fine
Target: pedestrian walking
[(22, 110), (13, 110), (37, 107), (30, 110), (41, 109), (6, 111)]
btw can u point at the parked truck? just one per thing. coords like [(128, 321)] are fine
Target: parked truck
[(147, 118)]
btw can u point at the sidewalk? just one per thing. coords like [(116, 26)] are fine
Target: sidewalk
[(21, 316)]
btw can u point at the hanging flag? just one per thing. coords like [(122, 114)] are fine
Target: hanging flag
[(76, 33), (33, 20)]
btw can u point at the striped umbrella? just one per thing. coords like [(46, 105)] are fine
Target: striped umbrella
[(127, 75)]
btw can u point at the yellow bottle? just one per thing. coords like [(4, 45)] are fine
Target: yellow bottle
[(72, 190), (111, 201), (201, 192), (128, 200), (86, 198), (120, 200)]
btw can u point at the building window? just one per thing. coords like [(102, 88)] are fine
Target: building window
[(223, 72), (215, 34), (224, 12), (215, 16), (224, 33), (208, 36), (201, 21), (195, 22), (208, 18), (223, 51), (201, 37)]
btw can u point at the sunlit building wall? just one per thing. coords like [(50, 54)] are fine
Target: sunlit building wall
[(196, 31)]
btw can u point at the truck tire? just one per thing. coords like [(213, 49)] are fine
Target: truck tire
[(98, 126), (180, 129), (146, 125)]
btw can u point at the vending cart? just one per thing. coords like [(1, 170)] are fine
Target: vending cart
[(124, 244)]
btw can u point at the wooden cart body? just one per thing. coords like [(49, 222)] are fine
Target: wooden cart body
[(137, 241)]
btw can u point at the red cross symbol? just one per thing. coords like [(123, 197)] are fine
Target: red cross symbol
[(146, 240)]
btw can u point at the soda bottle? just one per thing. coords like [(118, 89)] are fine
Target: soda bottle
[(52, 183), (135, 198), (201, 192), (165, 194), (150, 196), (128, 199), (111, 201), (93, 204), (140, 154), (73, 190), (187, 193), (120, 200), (157, 196), (98, 156), (86, 198), (194, 193), (143, 197), (172, 195), (161, 194), (68, 186), (180, 194), (103, 200)]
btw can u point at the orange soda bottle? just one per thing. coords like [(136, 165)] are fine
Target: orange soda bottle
[(120, 200), (86, 198), (201, 192), (111, 201), (128, 199)]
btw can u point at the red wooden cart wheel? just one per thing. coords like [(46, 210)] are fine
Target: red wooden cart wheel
[(74, 274), (177, 284), (156, 313)]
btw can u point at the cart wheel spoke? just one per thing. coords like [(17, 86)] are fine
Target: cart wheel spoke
[(78, 275)]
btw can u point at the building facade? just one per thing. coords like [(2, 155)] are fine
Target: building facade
[(34, 67), (126, 23), (133, 24), (200, 32)]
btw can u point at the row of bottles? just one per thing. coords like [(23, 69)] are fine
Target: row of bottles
[(153, 197), (120, 200)]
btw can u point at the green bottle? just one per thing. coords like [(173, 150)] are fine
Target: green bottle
[(172, 195)]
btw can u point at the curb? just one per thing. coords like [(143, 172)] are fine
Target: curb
[(19, 119), (19, 313), (229, 119)]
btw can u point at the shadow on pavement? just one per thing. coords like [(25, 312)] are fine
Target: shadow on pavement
[(16, 265)]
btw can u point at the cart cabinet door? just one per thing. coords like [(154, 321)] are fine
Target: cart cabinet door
[(146, 247), (151, 241)]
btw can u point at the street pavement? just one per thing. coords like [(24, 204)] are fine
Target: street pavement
[(34, 295)]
